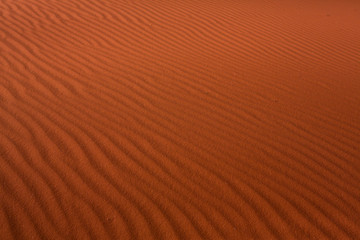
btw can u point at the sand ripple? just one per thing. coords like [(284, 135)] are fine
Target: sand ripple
[(179, 119)]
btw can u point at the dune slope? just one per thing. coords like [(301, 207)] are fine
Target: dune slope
[(179, 119)]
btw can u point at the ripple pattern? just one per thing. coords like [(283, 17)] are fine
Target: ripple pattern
[(179, 119)]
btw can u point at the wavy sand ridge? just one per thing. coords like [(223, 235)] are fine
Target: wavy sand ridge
[(179, 120)]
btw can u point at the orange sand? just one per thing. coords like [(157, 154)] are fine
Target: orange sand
[(189, 119)]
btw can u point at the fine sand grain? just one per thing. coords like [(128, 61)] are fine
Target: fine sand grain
[(192, 119)]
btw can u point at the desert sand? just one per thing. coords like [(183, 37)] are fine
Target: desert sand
[(194, 119)]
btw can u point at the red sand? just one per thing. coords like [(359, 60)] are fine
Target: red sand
[(190, 119)]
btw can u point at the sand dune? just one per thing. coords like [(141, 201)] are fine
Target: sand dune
[(179, 119)]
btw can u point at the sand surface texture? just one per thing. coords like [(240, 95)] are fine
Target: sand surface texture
[(192, 119)]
